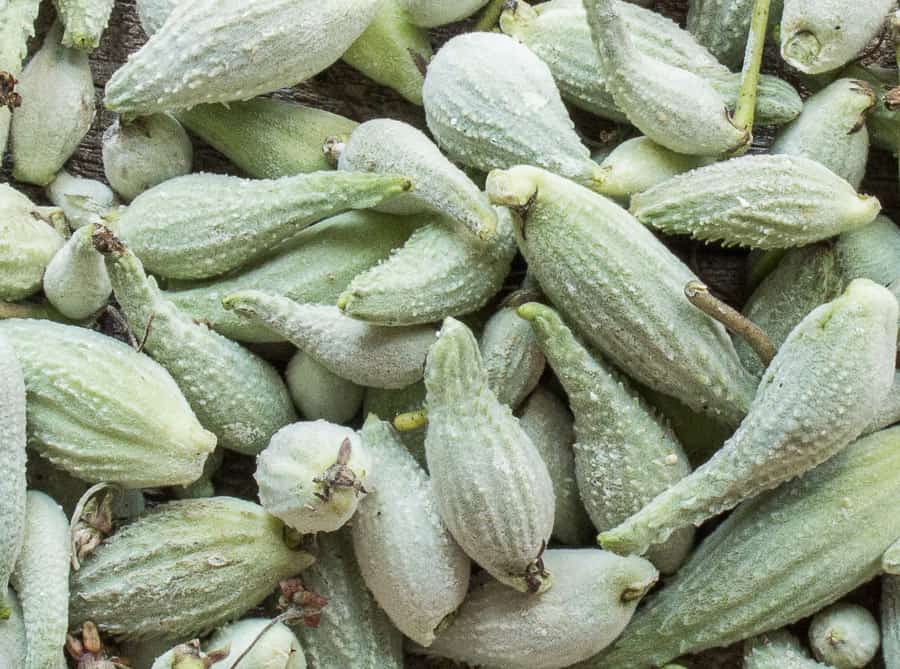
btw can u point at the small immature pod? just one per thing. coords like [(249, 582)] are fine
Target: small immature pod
[(434, 13), (12, 465), (319, 393), (76, 281), (13, 646), (871, 252), (153, 14), (722, 26), (312, 475), (512, 357), (82, 200), (778, 650), (278, 648), (845, 636), (84, 21), (890, 621), (16, 28)]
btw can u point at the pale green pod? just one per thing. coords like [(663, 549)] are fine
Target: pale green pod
[(625, 454), (821, 35), (266, 137), (548, 423), (12, 633), (891, 560), (889, 410), (12, 465), (144, 152), (57, 110), (594, 596), (41, 580), (76, 281), (433, 13), (831, 521), (153, 13), (278, 648), (183, 569), (83, 201), (883, 124), (890, 621), (84, 21), (845, 636), (386, 146), (231, 221), (17, 19), (319, 393), (871, 252), (832, 129), (435, 274), (294, 475), (396, 527), (491, 103), (104, 412), (497, 500), (623, 290), (236, 395), (388, 404), (722, 26), (512, 358), (778, 650), (819, 393), (760, 201), (368, 355), (353, 632)]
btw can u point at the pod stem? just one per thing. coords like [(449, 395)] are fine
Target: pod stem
[(698, 295), (746, 103), (491, 15)]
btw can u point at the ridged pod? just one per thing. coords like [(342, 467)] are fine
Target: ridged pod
[(778, 650), (84, 21), (13, 646), (153, 13), (844, 636), (278, 648), (871, 252), (623, 290), (433, 13), (890, 621), (722, 26), (319, 393), (388, 404), (12, 465), (819, 393), (83, 201), (760, 201), (497, 500), (76, 281), (193, 59), (104, 412), (16, 28), (397, 525), (512, 358)]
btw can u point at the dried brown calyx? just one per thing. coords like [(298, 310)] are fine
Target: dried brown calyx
[(535, 572), (9, 98), (89, 652), (339, 475), (92, 521)]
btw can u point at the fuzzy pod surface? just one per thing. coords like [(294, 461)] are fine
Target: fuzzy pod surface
[(871, 252), (319, 393), (16, 28), (84, 21), (433, 13), (83, 201), (778, 650), (12, 465), (153, 13), (76, 281), (722, 26), (845, 636), (512, 357), (278, 648)]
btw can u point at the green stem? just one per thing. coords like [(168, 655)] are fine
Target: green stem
[(490, 16), (746, 104)]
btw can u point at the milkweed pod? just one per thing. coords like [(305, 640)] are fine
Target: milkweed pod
[(777, 650), (12, 466), (845, 636), (76, 281), (319, 393)]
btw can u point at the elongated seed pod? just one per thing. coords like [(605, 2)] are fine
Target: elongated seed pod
[(83, 201), (624, 454), (389, 404), (225, 555), (368, 355), (722, 26), (192, 59), (57, 94), (433, 13), (102, 411), (237, 396), (16, 27), (76, 281), (84, 21), (12, 633), (277, 648), (498, 500), (513, 116), (598, 591), (319, 393), (235, 221), (41, 579), (785, 433), (845, 636), (512, 358), (871, 252), (12, 464), (153, 14), (734, 202), (353, 632), (890, 621), (623, 290), (777, 650), (395, 525)]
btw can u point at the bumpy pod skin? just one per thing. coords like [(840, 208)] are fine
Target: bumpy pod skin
[(76, 281), (143, 153), (83, 201), (327, 256), (84, 21), (548, 423), (182, 569), (625, 454), (192, 58), (832, 520), (41, 580), (435, 274), (16, 27), (231, 221), (278, 648), (594, 596), (12, 464), (386, 146), (512, 358), (819, 393), (821, 35), (104, 412), (153, 14), (497, 500), (623, 290), (395, 526), (319, 393), (832, 129), (778, 650), (722, 26), (12, 633), (353, 632), (389, 404), (890, 621), (845, 636), (27, 243), (57, 108), (871, 252), (760, 201), (293, 476), (491, 103)]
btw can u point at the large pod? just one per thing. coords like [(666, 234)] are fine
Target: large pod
[(722, 26), (12, 463), (512, 357)]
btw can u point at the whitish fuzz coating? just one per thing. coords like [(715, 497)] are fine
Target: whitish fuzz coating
[(57, 109), (319, 393), (83, 201), (153, 13), (84, 21), (778, 650), (821, 35), (722, 26), (491, 103), (623, 290), (871, 252), (436, 274), (278, 648), (594, 595), (625, 454), (312, 475), (193, 58), (368, 355), (832, 520), (12, 465), (142, 153), (890, 621), (183, 569), (230, 221), (496, 499), (818, 394), (845, 636), (760, 201), (512, 358), (16, 28), (76, 281), (396, 525), (41, 580), (433, 13), (385, 146), (104, 412), (12, 633)]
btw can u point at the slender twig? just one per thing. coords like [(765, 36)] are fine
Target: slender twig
[(412, 420), (491, 14), (756, 42)]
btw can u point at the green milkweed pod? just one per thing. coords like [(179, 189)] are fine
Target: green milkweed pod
[(319, 393), (890, 621), (12, 465), (76, 281), (722, 26), (84, 21), (277, 648), (13, 646), (871, 252), (778, 650), (512, 357), (83, 201), (433, 13), (16, 28), (153, 14), (845, 636)]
